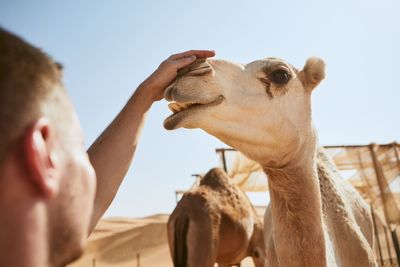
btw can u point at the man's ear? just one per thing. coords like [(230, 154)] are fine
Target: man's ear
[(313, 73), (38, 146)]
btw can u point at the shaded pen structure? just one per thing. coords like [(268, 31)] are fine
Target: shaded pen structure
[(373, 169)]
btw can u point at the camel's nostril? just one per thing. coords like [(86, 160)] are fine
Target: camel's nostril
[(169, 93), (173, 92), (256, 254)]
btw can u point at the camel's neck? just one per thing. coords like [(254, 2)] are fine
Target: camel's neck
[(296, 213)]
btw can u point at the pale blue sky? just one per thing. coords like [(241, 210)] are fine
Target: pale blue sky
[(109, 47)]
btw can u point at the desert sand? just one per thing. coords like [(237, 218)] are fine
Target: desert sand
[(142, 242), (129, 242)]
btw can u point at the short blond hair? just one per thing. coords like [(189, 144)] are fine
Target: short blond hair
[(30, 87)]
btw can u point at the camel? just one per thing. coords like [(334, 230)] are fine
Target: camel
[(215, 222), (263, 109)]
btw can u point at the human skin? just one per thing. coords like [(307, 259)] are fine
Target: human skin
[(112, 152), (53, 192)]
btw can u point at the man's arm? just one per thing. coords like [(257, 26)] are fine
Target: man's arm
[(112, 152)]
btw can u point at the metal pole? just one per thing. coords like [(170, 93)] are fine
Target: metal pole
[(222, 153), (224, 161), (356, 146), (376, 234), (330, 146), (197, 177), (224, 149)]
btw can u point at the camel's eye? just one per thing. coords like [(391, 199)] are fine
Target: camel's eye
[(279, 77)]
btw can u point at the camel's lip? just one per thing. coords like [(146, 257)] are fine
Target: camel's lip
[(181, 110)]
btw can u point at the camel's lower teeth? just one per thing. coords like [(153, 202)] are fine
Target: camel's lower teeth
[(183, 105), (177, 107), (174, 107)]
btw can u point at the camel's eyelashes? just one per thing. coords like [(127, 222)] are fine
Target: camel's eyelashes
[(279, 76)]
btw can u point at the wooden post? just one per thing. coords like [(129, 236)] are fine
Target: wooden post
[(376, 234), (393, 232), (364, 177), (397, 154), (138, 260), (388, 245), (396, 245), (94, 262), (380, 178)]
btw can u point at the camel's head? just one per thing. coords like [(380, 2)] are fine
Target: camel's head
[(262, 109)]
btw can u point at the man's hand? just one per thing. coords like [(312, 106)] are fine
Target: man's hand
[(166, 73), (112, 152)]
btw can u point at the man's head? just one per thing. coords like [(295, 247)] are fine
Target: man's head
[(42, 157)]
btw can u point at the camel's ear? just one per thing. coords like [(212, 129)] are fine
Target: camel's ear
[(313, 73)]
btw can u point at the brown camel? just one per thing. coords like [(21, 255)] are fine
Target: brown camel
[(263, 109), (215, 222)]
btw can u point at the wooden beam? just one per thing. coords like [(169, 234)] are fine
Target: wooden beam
[(376, 234), (380, 178)]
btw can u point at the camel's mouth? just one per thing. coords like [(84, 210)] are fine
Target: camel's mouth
[(181, 110)]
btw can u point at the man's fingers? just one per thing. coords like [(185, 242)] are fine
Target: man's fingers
[(183, 62), (197, 53)]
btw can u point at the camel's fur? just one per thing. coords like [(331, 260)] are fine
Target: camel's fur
[(263, 109), (215, 222)]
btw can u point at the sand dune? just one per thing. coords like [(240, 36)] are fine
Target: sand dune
[(120, 241), (127, 242)]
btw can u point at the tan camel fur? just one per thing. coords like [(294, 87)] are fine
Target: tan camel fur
[(215, 222), (263, 109)]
